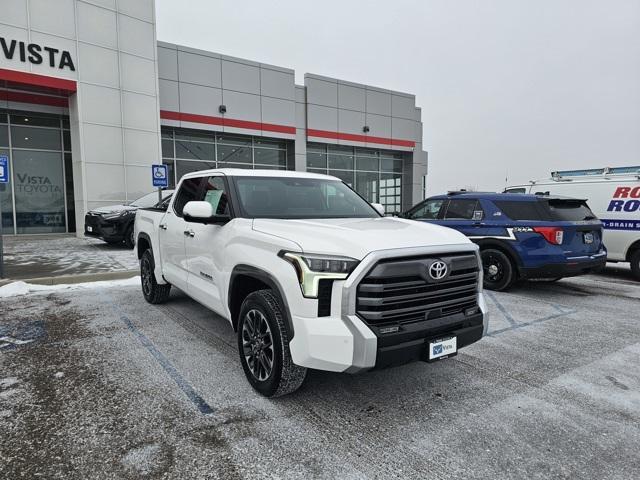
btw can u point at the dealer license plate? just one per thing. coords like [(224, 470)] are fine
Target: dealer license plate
[(442, 348), (588, 238), (89, 229)]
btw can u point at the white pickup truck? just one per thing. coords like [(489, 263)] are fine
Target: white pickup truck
[(310, 275)]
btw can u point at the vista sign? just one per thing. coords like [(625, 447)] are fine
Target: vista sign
[(36, 54)]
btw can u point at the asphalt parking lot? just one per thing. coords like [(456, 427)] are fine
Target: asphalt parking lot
[(95, 383)]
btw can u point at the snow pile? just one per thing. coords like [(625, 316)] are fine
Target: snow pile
[(15, 289)]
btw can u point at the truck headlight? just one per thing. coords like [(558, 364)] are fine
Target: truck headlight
[(312, 268)]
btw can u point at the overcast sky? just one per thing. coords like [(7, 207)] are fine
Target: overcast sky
[(508, 88)]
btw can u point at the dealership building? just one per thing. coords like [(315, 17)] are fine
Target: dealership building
[(89, 100)]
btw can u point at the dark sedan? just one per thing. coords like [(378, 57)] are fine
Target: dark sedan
[(114, 224)]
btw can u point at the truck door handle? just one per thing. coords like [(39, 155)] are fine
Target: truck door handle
[(163, 226), (190, 233)]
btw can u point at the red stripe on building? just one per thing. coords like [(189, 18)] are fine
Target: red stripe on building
[(25, 78), (225, 122), (11, 96), (359, 138)]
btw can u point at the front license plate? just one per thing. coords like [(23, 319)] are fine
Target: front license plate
[(442, 347), (89, 229), (588, 238)]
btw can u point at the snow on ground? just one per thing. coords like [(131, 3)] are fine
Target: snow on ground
[(22, 288)]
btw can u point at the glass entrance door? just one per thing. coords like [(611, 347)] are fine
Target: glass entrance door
[(38, 179)]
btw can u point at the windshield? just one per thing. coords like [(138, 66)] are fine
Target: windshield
[(284, 197), (150, 199)]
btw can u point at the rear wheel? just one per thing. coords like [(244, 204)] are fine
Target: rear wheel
[(263, 344), (499, 271), (635, 264), (153, 292)]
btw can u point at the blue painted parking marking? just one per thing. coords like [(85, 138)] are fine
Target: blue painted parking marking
[(164, 362)]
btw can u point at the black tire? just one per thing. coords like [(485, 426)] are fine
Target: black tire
[(635, 264), (113, 242), (499, 271), (152, 291), (129, 239), (262, 333)]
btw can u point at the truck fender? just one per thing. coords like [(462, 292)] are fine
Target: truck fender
[(264, 278)]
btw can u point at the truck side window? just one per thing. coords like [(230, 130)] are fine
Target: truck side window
[(215, 193), (429, 210), (461, 209), (189, 190)]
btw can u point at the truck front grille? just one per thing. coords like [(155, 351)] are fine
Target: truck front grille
[(398, 291)]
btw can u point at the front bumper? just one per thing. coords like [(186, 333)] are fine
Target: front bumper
[(342, 342), (571, 268), (108, 230)]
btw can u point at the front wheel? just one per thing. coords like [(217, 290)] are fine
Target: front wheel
[(499, 271), (129, 238), (635, 264), (153, 292), (263, 344)]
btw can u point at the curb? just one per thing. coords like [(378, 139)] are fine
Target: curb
[(70, 279)]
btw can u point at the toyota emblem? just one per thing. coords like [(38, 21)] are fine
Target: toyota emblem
[(438, 270)]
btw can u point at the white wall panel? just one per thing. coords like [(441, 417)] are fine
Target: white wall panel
[(98, 65), (199, 69), (322, 118), (138, 74), (19, 35), (104, 182), (138, 181), (379, 125), (403, 107), (200, 100), (141, 9), (378, 102), (351, 98), (97, 25), (136, 36), (242, 106), (102, 144), (60, 43), (403, 129), (140, 148), (99, 104), (169, 95), (321, 92), (167, 63), (240, 77), (57, 17), (351, 122), (14, 12), (139, 111), (277, 84), (279, 112)]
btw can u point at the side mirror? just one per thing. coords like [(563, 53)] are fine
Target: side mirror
[(202, 212), (379, 208)]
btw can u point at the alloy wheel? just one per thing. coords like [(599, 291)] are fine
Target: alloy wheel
[(257, 344), (146, 273)]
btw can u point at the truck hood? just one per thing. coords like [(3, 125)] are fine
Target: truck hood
[(113, 209), (357, 237)]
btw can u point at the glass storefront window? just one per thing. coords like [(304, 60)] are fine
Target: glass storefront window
[(66, 140), (167, 147), (234, 153), (171, 171), (195, 150), (267, 156), (36, 120), (6, 203), (345, 176), (35, 138), (316, 160), (185, 166), (227, 139), (367, 185), (71, 207), (4, 136), (39, 192), (367, 163)]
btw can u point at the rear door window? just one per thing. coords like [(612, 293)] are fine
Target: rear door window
[(528, 211), (461, 209), (570, 210)]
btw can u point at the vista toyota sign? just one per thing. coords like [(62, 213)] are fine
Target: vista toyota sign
[(36, 54)]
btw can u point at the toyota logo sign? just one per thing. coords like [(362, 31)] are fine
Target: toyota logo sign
[(438, 270)]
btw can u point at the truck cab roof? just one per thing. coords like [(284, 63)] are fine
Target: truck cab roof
[(241, 172)]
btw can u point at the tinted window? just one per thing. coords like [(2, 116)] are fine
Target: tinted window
[(461, 209), (516, 190), (215, 193), (570, 210), (278, 197), (523, 210), (150, 199), (189, 190), (428, 210)]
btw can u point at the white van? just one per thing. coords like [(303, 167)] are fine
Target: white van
[(613, 195)]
